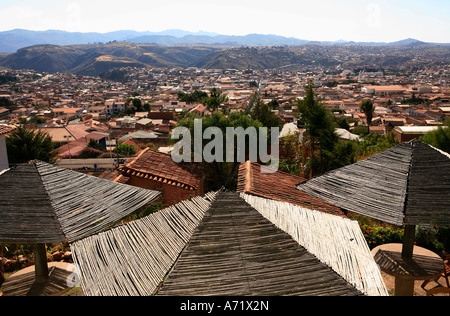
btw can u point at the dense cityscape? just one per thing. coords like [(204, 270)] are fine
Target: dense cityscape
[(69, 105)]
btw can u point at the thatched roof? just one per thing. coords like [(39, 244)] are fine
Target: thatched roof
[(221, 245), (26, 212), (407, 184), (42, 203)]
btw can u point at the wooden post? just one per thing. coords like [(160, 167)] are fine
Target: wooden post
[(404, 287), (40, 263), (2, 268), (408, 241)]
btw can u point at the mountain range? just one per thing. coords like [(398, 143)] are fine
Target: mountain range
[(94, 59), (11, 41), (55, 51), (98, 59)]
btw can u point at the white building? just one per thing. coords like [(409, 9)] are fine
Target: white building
[(4, 129)]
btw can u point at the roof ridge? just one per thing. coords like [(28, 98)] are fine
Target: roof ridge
[(137, 157), (165, 178), (248, 176), (408, 176), (278, 171)]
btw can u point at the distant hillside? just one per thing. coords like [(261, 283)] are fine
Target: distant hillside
[(101, 58), (11, 41), (103, 64), (96, 59), (410, 42), (43, 58), (328, 56), (255, 58), (247, 40)]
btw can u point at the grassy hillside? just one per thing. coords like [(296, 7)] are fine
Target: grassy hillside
[(95, 59), (326, 56)]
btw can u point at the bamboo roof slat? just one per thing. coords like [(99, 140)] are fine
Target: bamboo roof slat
[(336, 241), (133, 259), (236, 251), (428, 187), (407, 184), (26, 212), (221, 245), (42, 203), (86, 205)]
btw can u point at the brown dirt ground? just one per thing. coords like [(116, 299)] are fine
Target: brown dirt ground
[(389, 281)]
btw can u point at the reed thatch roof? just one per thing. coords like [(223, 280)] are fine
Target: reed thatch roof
[(407, 184), (222, 245), (42, 203)]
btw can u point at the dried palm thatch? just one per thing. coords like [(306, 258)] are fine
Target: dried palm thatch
[(335, 241), (236, 251), (219, 245), (26, 212), (407, 184), (132, 259), (42, 203)]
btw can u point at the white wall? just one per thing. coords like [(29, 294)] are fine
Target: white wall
[(3, 155)]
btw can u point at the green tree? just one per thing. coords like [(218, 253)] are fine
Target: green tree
[(320, 137), (24, 145), (368, 109), (218, 174), (274, 104), (93, 144), (215, 99), (262, 113), (414, 100), (4, 102), (125, 150), (133, 105), (373, 144), (195, 97), (341, 122), (439, 138)]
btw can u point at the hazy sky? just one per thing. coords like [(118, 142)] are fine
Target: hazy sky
[(357, 20)]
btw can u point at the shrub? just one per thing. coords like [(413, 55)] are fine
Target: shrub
[(89, 152), (435, 238), (125, 150), (379, 235)]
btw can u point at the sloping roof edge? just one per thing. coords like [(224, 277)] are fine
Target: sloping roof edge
[(128, 171), (408, 183)]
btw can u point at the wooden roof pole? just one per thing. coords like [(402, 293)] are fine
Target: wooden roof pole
[(40, 270), (405, 286), (40, 262), (410, 230), (408, 241)]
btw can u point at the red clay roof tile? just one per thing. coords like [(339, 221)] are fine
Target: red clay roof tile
[(5, 129), (161, 167), (279, 186)]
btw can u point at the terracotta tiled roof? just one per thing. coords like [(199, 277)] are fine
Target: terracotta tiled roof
[(121, 179), (157, 166), (279, 186), (5, 129)]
